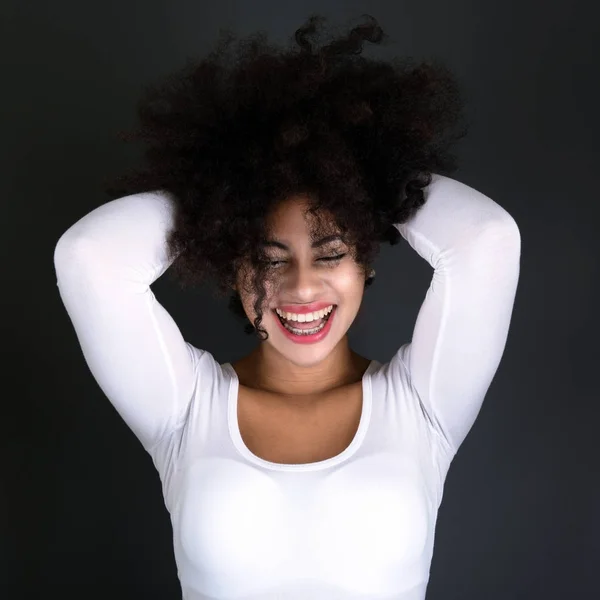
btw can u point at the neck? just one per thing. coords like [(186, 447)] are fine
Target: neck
[(266, 369)]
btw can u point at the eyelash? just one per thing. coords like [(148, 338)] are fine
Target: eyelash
[(272, 263)]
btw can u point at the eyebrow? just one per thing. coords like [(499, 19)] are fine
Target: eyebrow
[(315, 244)]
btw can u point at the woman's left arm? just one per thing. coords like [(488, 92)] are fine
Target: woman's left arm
[(474, 246)]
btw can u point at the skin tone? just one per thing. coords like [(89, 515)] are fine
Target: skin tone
[(301, 372)]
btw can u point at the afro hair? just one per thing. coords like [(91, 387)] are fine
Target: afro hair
[(252, 124)]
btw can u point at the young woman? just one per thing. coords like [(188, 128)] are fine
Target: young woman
[(303, 470)]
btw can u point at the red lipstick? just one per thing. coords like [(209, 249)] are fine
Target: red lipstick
[(302, 309)]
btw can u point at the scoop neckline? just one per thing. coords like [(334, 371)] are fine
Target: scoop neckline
[(238, 442)]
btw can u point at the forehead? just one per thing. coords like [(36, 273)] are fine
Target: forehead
[(291, 226), (291, 217)]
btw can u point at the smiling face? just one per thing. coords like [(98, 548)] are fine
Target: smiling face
[(303, 273)]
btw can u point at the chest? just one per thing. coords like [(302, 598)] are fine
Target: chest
[(364, 527), (297, 432)]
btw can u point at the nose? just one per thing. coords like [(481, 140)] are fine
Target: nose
[(302, 281)]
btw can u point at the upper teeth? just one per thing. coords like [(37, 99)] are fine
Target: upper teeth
[(306, 317)]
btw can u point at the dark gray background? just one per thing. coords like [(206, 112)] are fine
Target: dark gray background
[(82, 513)]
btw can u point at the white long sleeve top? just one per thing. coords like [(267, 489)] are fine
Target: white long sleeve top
[(357, 526)]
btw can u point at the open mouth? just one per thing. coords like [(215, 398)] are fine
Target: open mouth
[(306, 328)]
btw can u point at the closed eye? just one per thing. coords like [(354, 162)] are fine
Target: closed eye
[(337, 257), (325, 258)]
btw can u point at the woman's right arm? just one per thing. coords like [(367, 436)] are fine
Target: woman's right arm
[(105, 264)]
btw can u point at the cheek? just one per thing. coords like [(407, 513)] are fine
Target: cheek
[(349, 282), (345, 283), (248, 297)]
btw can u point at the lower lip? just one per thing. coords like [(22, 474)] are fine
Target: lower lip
[(307, 339)]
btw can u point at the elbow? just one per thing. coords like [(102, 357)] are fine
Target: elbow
[(67, 249), (504, 232)]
